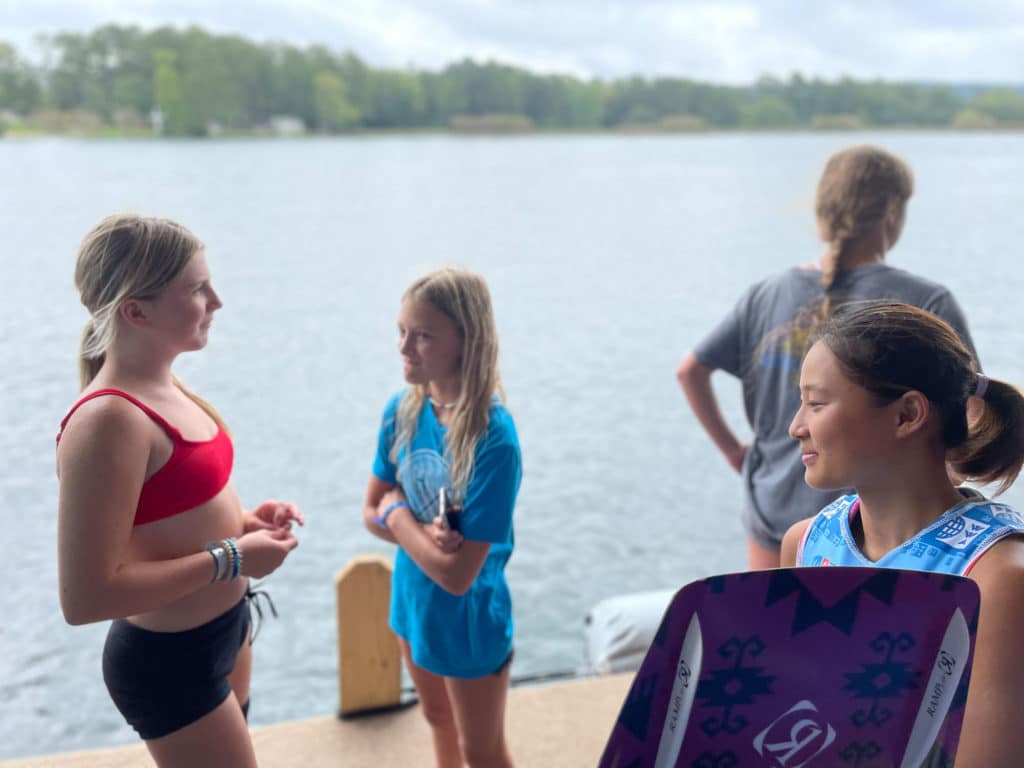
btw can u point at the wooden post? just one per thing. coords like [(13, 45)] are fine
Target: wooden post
[(369, 660)]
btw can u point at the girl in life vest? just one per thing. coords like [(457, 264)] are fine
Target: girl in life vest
[(893, 406)]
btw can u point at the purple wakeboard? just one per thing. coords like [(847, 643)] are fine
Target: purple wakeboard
[(819, 667)]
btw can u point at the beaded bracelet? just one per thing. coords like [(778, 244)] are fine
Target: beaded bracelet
[(238, 555), (236, 558)]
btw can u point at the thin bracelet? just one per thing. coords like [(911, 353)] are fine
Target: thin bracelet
[(216, 563), (382, 521), (229, 565), (221, 563), (229, 560)]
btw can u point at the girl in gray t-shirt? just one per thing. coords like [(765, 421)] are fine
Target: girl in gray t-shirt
[(860, 206)]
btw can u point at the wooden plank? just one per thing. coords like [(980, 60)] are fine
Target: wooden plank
[(369, 660), (562, 724)]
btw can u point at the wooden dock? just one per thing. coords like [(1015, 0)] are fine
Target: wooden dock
[(558, 725)]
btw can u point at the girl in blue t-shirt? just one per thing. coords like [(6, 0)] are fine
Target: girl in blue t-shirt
[(448, 431), (885, 390)]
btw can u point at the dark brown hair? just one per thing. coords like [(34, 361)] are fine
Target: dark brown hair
[(889, 348)]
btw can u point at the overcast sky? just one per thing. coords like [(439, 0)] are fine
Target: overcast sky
[(733, 41)]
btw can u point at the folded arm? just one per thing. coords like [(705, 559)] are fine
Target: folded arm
[(450, 561)]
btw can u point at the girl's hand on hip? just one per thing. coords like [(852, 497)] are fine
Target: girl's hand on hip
[(736, 456)]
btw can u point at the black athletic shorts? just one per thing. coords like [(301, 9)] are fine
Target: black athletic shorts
[(162, 681)]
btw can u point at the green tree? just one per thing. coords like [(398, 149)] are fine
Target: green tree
[(197, 79), (291, 86), (586, 103), (19, 90), (768, 112), (333, 110), (1001, 104), (441, 98), (358, 81), (168, 95), (396, 100), (972, 120)]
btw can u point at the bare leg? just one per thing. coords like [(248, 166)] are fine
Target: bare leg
[(219, 738), (437, 710), (479, 706), (761, 557), (241, 675)]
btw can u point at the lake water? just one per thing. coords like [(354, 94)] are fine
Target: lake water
[(608, 258)]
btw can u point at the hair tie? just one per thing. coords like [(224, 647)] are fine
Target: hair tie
[(982, 386)]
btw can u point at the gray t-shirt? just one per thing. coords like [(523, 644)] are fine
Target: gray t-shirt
[(762, 341)]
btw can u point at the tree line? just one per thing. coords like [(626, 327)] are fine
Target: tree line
[(188, 82)]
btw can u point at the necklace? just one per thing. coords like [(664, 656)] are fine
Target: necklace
[(442, 406)]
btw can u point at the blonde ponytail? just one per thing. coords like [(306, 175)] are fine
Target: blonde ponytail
[(123, 257), (89, 361), (856, 191)]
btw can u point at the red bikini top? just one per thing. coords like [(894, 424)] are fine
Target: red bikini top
[(195, 473)]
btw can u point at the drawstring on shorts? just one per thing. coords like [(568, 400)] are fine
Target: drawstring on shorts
[(252, 599)]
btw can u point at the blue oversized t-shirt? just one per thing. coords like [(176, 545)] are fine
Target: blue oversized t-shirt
[(466, 635)]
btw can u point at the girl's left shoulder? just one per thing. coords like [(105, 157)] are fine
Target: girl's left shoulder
[(501, 427), (499, 416), (1001, 568)]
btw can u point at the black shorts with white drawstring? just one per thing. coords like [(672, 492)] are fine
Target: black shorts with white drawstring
[(163, 681)]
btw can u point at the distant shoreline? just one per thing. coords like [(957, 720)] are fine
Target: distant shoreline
[(189, 82), (113, 134)]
